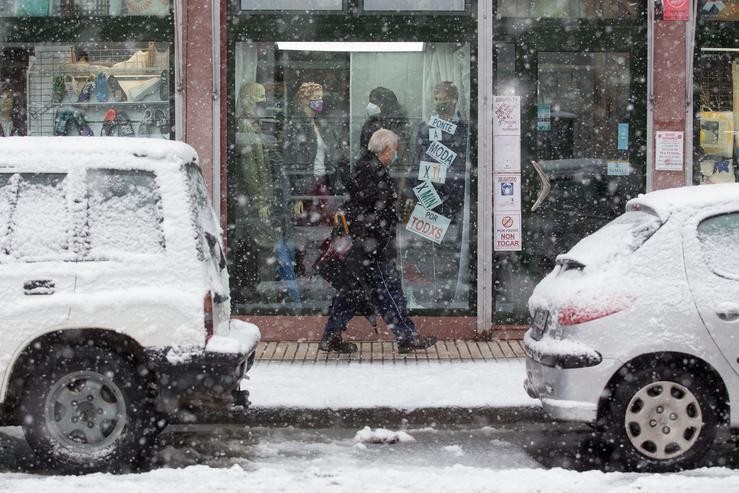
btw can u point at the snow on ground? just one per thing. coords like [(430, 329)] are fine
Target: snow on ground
[(395, 385), (454, 478)]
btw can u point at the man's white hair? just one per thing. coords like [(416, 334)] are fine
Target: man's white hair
[(382, 139)]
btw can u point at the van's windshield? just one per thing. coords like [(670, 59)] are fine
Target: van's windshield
[(620, 237)]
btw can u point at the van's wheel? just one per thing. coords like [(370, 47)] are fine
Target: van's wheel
[(663, 418), (86, 409)]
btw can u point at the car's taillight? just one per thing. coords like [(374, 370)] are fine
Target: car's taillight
[(574, 315), (208, 316)]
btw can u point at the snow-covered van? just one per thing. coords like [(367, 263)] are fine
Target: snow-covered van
[(114, 295)]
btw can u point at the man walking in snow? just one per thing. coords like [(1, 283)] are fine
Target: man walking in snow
[(372, 216)]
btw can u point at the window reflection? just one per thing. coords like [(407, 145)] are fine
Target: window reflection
[(67, 8), (301, 120)]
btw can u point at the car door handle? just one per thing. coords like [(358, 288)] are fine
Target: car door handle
[(545, 185), (39, 287)]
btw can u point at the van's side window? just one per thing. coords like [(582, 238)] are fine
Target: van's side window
[(35, 217), (124, 213)]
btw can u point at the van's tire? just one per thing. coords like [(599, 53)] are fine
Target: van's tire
[(87, 409), (664, 417)]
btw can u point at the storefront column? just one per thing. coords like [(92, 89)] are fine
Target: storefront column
[(198, 84), (669, 82)]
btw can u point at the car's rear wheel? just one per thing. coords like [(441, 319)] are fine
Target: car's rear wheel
[(663, 418), (87, 409)]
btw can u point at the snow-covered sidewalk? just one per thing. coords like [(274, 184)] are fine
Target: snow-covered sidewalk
[(402, 386)]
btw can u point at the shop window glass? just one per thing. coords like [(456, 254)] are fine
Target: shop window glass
[(107, 89), (291, 4), (66, 8), (726, 10), (719, 236), (124, 213), (609, 9), (717, 147), (429, 5), (288, 169)]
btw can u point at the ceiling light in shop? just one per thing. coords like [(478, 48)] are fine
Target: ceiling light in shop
[(371, 47)]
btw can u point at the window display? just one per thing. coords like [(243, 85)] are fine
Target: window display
[(67, 8), (301, 120), (111, 89)]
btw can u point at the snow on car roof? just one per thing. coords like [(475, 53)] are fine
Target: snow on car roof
[(88, 151), (665, 202)]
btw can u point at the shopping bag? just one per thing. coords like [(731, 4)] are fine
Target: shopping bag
[(334, 250)]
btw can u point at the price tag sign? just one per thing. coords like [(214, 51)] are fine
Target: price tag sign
[(427, 224), (434, 172), (427, 195)]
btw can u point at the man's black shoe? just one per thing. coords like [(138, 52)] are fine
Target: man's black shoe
[(418, 342), (333, 342)]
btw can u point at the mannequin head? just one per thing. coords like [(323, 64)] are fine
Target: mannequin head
[(6, 102), (386, 100), (310, 98), (446, 96), (250, 94)]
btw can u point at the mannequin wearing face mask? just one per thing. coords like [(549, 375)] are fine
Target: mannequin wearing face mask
[(7, 117), (384, 111), (251, 197), (309, 155)]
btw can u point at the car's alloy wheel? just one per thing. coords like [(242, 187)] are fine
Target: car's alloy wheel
[(87, 408), (663, 417), (663, 420)]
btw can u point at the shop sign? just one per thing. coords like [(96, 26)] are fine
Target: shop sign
[(441, 153), (434, 172), (543, 117), (506, 154), (675, 10), (443, 125), (427, 195), (618, 168), (669, 152), (507, 195), (427, 224), (507, 235), (506, 115), (623, 136)]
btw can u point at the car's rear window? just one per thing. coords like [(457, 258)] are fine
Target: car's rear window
[(203, 217), (620, 237)]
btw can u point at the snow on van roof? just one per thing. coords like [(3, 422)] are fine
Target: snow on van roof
[(665, 202), (87, 150)]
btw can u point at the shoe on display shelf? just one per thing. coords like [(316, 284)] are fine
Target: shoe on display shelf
[(109, 123), (87, 90), (101, 87), (125, 128), (115, 91)]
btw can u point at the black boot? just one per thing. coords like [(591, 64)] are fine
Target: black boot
[(333, 342), (418, 342)]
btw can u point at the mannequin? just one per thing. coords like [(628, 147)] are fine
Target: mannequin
[(7, 113), (252, 198), (308, 153)]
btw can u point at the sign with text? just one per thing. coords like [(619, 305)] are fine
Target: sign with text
[(675, 10), (507, 235), (506, 154), (619, 168), (506, 115), (432, 171), (669, 152), (441, 153), (507, 196), (427, 224), (427, 195), (443, 125), (435, 134)]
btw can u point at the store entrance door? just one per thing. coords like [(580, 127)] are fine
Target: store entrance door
[(583, 151)]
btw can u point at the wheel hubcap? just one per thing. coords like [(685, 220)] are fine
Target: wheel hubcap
[(663, 420), (85, 411)]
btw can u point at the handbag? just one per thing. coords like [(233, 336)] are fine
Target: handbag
[(333, 251)]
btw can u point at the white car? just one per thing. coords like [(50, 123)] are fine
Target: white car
[(115, 306), (636, 329)]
